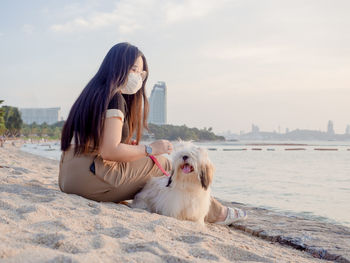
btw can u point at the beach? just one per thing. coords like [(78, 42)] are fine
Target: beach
[(39, 223)]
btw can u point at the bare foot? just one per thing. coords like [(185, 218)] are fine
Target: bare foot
[(223, 214)]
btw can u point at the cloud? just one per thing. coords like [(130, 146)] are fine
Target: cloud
[(191, 9), (237, 52), (28, 29), (124, 16), (130, 16), (1, 34)]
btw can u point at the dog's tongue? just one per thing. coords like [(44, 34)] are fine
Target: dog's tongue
[(186, 169)]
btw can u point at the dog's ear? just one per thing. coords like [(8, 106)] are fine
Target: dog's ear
[(206, 175)]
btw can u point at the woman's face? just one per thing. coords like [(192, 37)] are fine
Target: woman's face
[(138, 65), (138, 68)]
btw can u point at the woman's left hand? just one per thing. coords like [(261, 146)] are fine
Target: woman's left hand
[(161, 147)]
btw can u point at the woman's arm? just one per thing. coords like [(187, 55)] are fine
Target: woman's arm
[(112, 149)]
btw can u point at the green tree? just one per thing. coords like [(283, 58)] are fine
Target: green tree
[(52, 131), (34, 129), (44, 129), (25, 130), (13, 121), (2, 120), (57, 133)]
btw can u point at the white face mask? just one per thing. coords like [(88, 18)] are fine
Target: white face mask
[(133, 84)]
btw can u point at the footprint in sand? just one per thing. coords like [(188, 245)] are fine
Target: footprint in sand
[(26, 209), (116, 232), (190, 239), (152, 225), (38, 198), (48, 240), (152, 247), (56, 225), (203, 253), (98, 242), (6, 206), (12, 210), (12, 188), (172, 259), (38, 193), (19, 170), (13, 213), (96, 208), (55, 241), (95, 211), (34, 193), (63, 259), (232, 253)]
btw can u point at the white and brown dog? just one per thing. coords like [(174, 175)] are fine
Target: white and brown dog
[(186, 194)]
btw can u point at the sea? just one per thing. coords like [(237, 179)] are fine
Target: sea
[(310, 179)]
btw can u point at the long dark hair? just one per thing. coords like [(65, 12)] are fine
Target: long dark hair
[(86, 117)]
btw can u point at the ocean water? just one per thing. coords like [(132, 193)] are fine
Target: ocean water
[(308, 183)]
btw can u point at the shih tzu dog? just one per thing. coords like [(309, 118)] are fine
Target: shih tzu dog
[(185, 194)]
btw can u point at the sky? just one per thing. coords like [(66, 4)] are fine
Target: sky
[(227, 64)]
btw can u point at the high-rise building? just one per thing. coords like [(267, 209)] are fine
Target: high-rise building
[(330, 129), (40, 115), (158, 104)]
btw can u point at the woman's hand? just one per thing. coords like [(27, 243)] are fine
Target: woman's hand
[(161, 146)]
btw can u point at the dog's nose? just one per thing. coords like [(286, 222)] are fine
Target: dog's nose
[(185, 157)]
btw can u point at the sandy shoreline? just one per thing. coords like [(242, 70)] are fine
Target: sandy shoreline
[(39, 223)]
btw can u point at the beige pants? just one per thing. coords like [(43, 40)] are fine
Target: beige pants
[(112, 181)]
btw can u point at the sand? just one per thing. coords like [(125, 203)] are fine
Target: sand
[(39, 223)]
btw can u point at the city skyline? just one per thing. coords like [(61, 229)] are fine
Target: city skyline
[(54, 113), (227, 64), (237, 131), (329, 128)]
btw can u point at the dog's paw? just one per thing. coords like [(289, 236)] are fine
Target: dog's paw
[(139, 203)]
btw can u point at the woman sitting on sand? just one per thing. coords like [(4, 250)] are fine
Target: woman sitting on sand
[(100, 161)]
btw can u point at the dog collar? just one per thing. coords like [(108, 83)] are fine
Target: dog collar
[(154, 159)]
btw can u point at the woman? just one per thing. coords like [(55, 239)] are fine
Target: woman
[(100, 161)]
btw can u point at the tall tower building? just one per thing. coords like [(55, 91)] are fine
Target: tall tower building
[(158, 104), (330, 129)]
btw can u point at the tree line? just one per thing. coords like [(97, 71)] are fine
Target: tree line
[(52, 131), (11, 125), (173, 132)]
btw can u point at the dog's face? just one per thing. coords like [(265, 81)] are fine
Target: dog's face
[(191, 165)]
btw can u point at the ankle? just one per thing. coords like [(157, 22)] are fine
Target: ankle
[(223, 214)]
